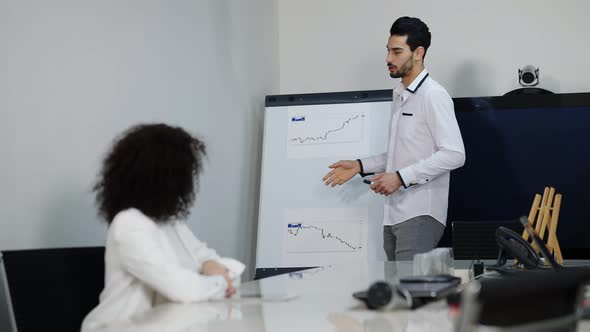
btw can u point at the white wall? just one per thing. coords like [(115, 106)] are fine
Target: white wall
[(76, 73), (477, 47)]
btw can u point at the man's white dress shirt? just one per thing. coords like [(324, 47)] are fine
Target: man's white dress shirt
[(425, 144)]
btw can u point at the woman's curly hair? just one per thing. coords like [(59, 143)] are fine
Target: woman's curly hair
[(153, 168)]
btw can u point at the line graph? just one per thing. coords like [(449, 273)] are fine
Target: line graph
[(320, 236), (325, 236), (294, 229), (327, 131), (324, 137)]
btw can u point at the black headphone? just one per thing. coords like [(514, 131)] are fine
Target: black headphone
[(382, 295)]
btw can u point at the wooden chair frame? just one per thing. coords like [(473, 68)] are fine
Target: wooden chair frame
[(543, 217)]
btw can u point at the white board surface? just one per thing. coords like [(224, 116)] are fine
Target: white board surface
[(301, 221)]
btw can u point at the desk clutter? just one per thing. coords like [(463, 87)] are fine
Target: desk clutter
[(410, 293), (535, 300), (538, 300), (536, 293)]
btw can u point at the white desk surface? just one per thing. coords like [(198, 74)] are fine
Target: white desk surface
[(322, 302)]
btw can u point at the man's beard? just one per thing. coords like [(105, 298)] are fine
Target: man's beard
[(398, 75), (403, 70)]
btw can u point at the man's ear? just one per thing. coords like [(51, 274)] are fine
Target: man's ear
[(419, 53)]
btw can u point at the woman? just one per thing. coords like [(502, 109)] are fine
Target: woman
[(145, 189)]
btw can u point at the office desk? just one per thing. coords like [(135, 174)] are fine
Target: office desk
[(322, 301)]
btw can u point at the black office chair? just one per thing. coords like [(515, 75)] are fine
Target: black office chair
[(528, 301), (52, 289), (476, 239)]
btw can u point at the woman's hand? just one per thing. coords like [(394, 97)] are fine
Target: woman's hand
[(212, 268)]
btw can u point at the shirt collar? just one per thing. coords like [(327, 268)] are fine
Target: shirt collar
[(417, 82)]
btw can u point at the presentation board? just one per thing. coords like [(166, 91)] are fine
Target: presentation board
[(303, 222)]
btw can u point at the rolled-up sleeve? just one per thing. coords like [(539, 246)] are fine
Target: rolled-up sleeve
[(138, 246), (201, 252)]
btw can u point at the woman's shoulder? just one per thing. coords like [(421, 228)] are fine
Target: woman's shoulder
[(131, 220)]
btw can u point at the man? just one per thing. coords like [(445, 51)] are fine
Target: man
[(425, 144)]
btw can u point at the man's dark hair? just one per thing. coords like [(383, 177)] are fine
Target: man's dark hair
[(416, 30), (153, 168)]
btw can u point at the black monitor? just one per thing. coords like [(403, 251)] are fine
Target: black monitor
[(515, 147)]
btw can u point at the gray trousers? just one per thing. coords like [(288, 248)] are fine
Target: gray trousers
[(413, 236)]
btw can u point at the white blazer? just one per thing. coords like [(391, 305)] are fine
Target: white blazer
[(145, 266)]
